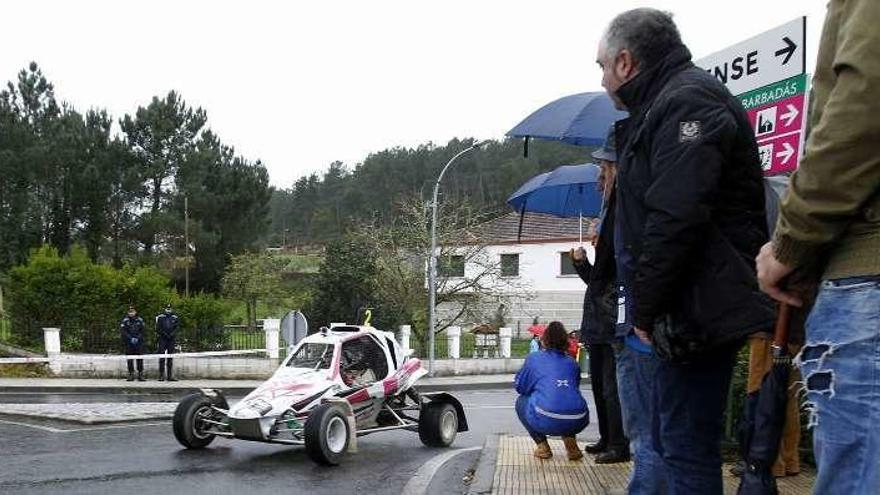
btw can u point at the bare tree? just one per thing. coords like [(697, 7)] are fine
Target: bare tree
[(402, 251)]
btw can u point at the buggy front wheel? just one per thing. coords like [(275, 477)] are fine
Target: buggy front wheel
[(189, 426), (327, 434)]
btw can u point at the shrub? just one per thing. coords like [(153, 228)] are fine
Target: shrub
[(86, 300), (201, 323)]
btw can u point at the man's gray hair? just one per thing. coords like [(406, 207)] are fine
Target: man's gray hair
[(649, 34)]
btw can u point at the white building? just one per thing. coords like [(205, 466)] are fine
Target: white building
[(538, 276)]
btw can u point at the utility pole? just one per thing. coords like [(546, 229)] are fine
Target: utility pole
[(432, 258), (186, 243)]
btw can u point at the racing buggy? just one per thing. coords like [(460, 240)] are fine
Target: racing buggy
[(336, 385)]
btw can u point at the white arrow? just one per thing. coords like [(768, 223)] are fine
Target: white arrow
[(785, 154), (790, 115)]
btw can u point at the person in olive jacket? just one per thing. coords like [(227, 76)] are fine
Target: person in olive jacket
[(132, 332)]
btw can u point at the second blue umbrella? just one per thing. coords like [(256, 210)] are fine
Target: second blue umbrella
[(568, 191)]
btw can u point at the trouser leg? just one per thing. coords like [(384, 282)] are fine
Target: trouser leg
[(597, 383), (522, 402), (840, 364), (635, 376), (689, 406), (615, 437)]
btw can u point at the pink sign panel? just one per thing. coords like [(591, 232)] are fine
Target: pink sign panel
[(778, 129)]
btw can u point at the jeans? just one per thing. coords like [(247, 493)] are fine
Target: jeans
[(522, 404), (689, 402), (840, 363), (635, 380), (603, 378)]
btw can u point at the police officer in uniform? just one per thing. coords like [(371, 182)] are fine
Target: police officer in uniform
[(132, 332), (166, 333)]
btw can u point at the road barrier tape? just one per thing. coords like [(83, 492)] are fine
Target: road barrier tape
[(126, 357)]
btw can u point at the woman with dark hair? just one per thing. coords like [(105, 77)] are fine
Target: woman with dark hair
[(550, 401)]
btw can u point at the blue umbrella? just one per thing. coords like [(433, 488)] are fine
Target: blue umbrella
[(567, 191), (581, 119)]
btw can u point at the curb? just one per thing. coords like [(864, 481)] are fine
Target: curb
[(484, 472)]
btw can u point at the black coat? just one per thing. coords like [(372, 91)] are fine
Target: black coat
[(166, 326), (131, 328), (600, 300), (690, 206)]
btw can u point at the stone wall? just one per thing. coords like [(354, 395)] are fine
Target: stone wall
[(252, 368)]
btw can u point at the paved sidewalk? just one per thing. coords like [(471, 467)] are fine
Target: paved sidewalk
[(92, 412), (110, 385), (518, 472)]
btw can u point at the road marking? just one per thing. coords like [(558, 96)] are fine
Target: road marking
[(74, 430), (418, 484)]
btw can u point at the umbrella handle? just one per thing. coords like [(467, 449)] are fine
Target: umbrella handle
[(780, 332)]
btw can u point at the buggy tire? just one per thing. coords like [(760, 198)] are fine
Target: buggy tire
[(327, 434), (438, 424), (185, 417)]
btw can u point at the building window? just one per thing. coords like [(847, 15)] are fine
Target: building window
[(565, 265), (510, 265), (451, 266)]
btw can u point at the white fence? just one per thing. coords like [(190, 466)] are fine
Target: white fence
[(494, 349)]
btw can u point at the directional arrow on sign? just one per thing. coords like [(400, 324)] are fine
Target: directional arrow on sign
[(786, 153), (790, 115), (787, 50)]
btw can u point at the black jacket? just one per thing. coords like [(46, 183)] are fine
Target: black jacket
[(166, 326), (132, 328), (690, 206), (600, 299)]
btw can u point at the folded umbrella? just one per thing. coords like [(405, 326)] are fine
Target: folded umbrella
[(765, 416)]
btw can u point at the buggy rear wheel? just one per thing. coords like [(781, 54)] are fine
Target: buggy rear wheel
[(438, 424), (189, 427), (327, 434)]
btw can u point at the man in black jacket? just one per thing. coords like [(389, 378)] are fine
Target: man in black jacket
[(166, 334), (132, 332), (597, 323), (690, 220)]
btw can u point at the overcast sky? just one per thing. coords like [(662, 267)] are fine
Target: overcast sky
[(301, 84)]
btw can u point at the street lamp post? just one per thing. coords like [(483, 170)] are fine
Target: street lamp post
[(432, 257)]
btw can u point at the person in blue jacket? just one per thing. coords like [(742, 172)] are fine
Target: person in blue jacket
[(550, 401)]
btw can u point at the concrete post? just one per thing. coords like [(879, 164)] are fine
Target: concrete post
[(453, 339), (505, 334), (405, 333), (52, 341), (272, 327)]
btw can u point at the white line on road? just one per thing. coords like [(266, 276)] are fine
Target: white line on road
[(74, 430), (418, 484)]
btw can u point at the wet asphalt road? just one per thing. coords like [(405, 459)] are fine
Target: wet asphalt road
[(145, 458)]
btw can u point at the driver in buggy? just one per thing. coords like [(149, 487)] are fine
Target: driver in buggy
[(354, 369)]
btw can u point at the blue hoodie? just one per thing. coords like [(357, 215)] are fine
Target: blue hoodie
[(551, 381)]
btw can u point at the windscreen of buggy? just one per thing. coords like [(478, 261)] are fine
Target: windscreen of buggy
[(313, 356)]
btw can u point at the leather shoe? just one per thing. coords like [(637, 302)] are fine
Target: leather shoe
[(595, 448), (612, 457)]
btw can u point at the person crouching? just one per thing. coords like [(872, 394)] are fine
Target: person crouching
[(550, 401)]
